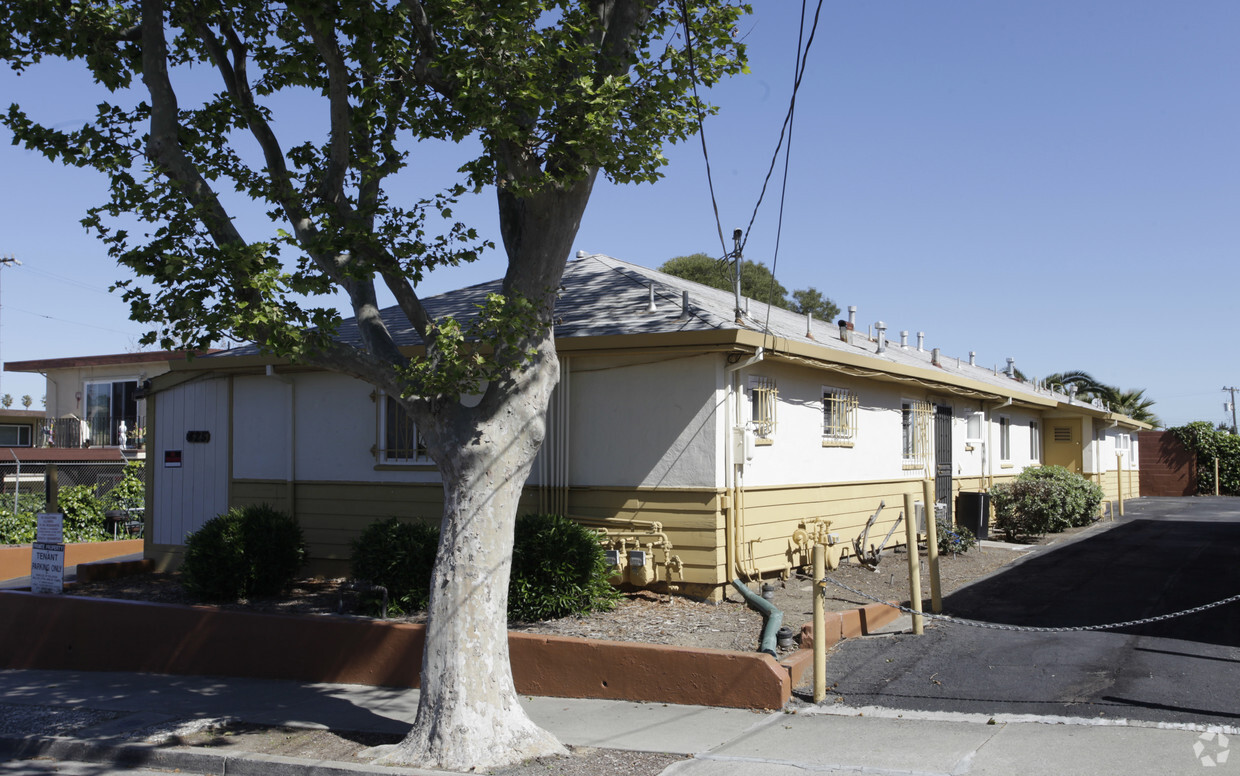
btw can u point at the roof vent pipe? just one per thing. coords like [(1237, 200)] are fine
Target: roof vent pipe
[(852, 317), (921, 341), (934, 357), (881, 328), (1011, 368), (972, 358), (650, 308), (582, 254), (843, 331), (684, 305), (904, 338), (809, 325)]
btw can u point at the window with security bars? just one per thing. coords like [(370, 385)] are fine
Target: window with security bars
[(1035, 441), (763, 397), (916, 421), (400, 440), (839, 415)]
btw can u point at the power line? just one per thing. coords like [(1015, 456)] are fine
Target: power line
[(697, 100), (798, 74), (74, 323), (70, 281)]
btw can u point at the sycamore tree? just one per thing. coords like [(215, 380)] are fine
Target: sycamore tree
[(191, 125)]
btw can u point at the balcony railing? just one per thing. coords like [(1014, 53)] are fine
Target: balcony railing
[(127, 433)]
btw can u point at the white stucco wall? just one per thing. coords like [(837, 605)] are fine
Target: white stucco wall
[(336, 429), (796, 453), (647, 421)]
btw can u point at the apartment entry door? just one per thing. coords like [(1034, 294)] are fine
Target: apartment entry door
[(1063, 444), (943, 458)]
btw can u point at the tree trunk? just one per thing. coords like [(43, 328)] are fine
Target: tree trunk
[(469, 715)]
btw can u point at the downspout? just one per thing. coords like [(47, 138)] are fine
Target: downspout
[(773, 616), (290, 480), (990, 458)]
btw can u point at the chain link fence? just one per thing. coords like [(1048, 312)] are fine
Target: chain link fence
[(24, 488)]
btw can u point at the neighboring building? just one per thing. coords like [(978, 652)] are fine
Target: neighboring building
[(711, 446), (96, 401), (19, 428)]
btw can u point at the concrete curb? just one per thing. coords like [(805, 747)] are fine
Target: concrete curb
[(239, 763)]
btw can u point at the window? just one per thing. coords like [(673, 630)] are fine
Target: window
[(1123, 442), (108, 406), (915, 425), (1035, 441), (973, 427), (401, 441), (763, 397), (839, 416), (13, 435), (1005, 438)]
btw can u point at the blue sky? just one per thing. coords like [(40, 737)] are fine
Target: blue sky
[(1055, 181)]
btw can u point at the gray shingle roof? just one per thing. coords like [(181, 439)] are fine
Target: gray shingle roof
[(602, 295)]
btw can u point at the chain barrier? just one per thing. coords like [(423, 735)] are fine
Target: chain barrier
[(1031, 628)]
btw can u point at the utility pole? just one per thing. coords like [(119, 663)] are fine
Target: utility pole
[(5, 261), (1232, 391), (736, 278)]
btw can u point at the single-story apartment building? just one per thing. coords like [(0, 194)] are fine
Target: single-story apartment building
[(704, 441)]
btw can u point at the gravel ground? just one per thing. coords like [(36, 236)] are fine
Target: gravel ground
[(643, 616)]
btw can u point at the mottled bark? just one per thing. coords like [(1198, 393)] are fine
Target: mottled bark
[(469, 714)]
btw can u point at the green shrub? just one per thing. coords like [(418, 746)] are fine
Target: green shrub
[(953, 540), (20, 527), (1209, 444), (558, 569), (252, 551), (399, 556), (83, 511), (130, 492), (1044, 499)]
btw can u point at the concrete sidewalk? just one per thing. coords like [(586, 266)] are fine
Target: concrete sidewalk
[(720, 741)]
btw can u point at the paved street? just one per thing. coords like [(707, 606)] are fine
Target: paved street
[(1165, 555)]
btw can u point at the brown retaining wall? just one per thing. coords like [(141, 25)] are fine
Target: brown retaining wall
[(91, 634), (15, 561), (1168, 468)]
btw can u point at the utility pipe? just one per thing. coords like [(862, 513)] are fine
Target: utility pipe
[(914, 563), (932, 547), (774, 617), (1119, 481), (820, 625)]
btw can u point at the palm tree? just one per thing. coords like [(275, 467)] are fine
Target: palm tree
[(1087, 387), (1131, 403)]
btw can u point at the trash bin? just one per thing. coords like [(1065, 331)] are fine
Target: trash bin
[(973, 512)]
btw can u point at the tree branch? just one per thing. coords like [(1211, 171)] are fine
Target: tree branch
[(428, 45), (331, 188)]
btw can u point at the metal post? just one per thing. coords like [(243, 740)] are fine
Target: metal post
[(820, 624), (51, 479), (914, 562), (1119, 481), (1216, 475), (932, 548)]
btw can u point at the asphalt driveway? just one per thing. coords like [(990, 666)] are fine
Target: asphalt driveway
[(1165, 555)]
